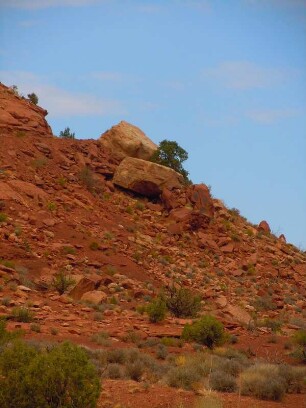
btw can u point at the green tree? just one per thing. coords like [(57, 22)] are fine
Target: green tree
[(66, 134), (170, 154), (33, 98)]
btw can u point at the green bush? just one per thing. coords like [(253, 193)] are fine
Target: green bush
[(3, 217), (62, 282), (207, 330), (22, 314), (181, 302), (61, 376), (157, 310), (66, 134), (33, 98), (170, 154), (300, 339)]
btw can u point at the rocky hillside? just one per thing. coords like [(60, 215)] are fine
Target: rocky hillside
[(123, 228)]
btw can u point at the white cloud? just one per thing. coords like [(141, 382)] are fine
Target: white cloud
[(270, 116), (39, 4), (58, 101), (244, 75)]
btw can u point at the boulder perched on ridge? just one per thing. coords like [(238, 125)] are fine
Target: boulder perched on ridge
[(146, 178), (126, 140)]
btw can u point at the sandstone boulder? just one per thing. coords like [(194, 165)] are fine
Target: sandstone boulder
[(199, 196), (126, 140), (146, 178), (95, 296), (83, 286), (264, 227)]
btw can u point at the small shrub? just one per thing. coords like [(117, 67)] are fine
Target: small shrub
[(157, 310), (183, 377), (114, 371), (295, 378), (6, 301), (51, 206), (68, 250), (222, 381), (86, 177), (62, 181), (300, 339), (181, 302), (135, 370), (101, 338), (3, 217), (207, 330), (117, 356), (33, 98), (161, 352), (62, 282), (35, 327), (54, 331), (263, 381), (140, 206), (22, 314), (67, 134), (94, 246)]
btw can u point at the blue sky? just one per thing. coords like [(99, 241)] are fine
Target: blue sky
[(226, 79)]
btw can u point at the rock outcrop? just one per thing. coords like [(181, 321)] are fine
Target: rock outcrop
[(126, 140), (264, 227), (146, 178), (18, 115)]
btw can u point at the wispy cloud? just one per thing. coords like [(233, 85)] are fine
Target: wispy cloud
[(243, 75), (39, 4), (279, 3), (270, 116), (58, 101)]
